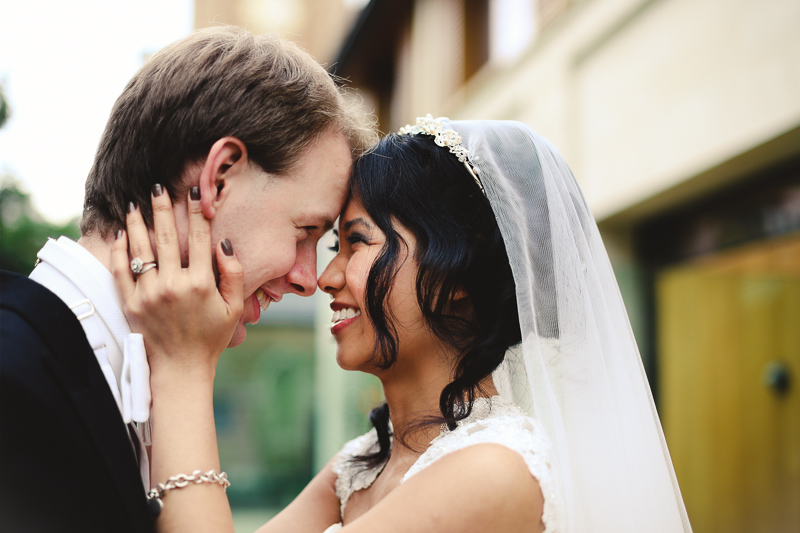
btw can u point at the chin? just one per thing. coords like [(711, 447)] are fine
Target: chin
[(353, 363), (238, 336), (343, 363), (346, 363)]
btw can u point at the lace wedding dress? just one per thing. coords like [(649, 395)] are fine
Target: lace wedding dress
[(493, 420)]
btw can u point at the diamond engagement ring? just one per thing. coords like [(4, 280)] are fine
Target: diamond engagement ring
[(140, 267)]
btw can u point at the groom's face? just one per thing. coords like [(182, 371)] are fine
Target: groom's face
[(274, 224)]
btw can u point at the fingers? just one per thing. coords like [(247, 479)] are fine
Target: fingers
[(137, 235), (121, 267), (166, 236), (231, 277), (199, 234)]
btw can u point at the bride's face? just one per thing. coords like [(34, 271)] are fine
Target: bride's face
[(345, 279)]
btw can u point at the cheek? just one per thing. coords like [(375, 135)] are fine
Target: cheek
[(403, 299), (357, 273), (284, 258), (270, 261)]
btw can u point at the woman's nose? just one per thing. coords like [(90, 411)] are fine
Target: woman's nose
[(332, 278)]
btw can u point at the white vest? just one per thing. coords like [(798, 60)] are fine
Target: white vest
[(82, 282)]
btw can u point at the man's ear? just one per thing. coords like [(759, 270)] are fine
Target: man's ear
[(226, 158)]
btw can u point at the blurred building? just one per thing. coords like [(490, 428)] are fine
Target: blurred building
[(681, 120), (316, 25)]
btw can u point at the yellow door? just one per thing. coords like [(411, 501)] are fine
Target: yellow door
[(729, 382)]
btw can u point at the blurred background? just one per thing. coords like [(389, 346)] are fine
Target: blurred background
[(680, 118)]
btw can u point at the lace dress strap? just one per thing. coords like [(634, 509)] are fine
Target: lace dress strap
[(352, 476)]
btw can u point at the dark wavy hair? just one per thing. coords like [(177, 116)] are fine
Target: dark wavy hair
[(410, 180)]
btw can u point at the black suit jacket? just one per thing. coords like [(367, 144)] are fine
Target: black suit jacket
[(66, 462)]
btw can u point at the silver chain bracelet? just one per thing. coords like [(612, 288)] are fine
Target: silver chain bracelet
[(180, 481)]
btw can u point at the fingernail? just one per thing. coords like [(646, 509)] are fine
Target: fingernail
[(119, 233), (157, 189), (227, 247), (194, 193), (131, 207)]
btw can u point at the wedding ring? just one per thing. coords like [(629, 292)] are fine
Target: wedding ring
[(140, 267)]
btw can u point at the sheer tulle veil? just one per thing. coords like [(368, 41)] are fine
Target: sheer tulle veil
[(578, 369)]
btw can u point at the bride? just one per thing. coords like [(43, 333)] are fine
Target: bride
[(471, 279)]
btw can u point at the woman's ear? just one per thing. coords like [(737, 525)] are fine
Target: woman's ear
[(461, 304), (226, 158)]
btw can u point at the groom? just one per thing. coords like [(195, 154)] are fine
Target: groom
[(266, 138)]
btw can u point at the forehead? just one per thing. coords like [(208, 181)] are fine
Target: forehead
[(329, 153), (352, 212), (319, 180)]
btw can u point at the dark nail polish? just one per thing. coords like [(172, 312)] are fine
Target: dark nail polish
[(227, 247), (131, 207), (157, 189), (194, 193), (119, 233)]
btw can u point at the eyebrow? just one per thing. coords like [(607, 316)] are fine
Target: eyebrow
[(352, 222)]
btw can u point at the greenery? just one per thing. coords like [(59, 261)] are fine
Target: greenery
[(263, 405), (4, 110), (23, 231)]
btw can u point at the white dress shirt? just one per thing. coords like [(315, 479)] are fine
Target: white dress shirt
[(82, 282)]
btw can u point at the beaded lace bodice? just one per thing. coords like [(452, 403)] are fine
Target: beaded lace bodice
[(493, 420)]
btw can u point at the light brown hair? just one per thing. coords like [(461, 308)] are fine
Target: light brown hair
[(217, 82)]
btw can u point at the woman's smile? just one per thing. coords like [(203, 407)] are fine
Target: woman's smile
[(343, 317)]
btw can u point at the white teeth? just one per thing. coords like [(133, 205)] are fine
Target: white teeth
[(344, 314), (263, 299)]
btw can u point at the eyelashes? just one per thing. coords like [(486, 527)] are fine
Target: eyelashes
[(335, 247), (352, 239), (355, 238)]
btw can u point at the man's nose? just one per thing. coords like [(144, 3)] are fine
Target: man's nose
[(302, 278)]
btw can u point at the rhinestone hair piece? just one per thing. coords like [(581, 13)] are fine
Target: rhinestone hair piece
[(443, 137)]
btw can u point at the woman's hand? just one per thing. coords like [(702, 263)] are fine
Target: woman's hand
[(186, 320)]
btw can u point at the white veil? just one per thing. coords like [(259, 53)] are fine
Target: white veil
[(578, 370)]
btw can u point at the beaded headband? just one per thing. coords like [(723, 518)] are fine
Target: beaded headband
[(449, 138)]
